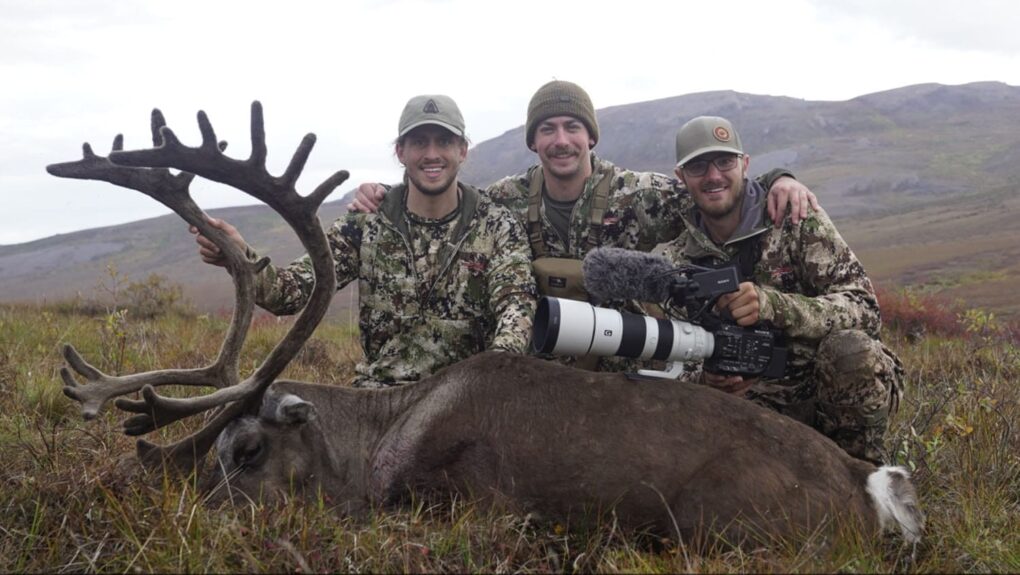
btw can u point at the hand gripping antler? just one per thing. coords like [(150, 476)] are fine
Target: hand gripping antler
[(148, 173)]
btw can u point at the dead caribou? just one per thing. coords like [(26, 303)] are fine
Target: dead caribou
[(678, 458)]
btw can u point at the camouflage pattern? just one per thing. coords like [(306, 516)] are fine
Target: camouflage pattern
[(811, 285), (645, 209), (859, 386), (427, 299)]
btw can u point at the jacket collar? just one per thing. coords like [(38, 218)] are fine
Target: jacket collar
[(394, 208)]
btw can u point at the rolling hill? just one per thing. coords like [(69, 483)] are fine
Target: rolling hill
[(921, 180)]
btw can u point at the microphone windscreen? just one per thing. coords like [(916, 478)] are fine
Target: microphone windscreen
[(618, 274)]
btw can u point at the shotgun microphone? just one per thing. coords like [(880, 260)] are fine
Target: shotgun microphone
[(619, 274)]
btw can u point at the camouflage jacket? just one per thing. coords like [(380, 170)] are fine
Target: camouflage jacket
[(478, 294), (645, 208), (809, 281)]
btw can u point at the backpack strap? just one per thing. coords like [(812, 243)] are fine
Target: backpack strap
[(538, 247), (600, 203)]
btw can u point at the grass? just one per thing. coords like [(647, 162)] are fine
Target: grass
[(72, 499)]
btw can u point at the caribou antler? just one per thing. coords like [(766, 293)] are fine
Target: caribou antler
[(146, 171)]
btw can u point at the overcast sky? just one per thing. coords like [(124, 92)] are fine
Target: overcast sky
[(76, 71)]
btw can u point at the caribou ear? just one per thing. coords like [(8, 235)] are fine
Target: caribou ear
[(295, 411), (290, 410), (286, 409)]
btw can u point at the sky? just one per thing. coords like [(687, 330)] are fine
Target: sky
[(85, 70)]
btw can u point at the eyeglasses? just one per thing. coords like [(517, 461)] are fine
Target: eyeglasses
[(699, 168)]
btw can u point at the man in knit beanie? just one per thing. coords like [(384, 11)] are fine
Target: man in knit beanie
[(561, 98)]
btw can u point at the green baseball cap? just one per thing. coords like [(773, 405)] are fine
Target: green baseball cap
[(706, 134), (431, 109)]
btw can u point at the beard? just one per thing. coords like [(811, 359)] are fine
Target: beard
[(429, 188), (720, 208)]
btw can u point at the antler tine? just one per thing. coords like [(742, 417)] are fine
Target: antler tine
[(249, 176), (103, 387), (298, 160), (185, 454), (155, 411), (156, 122), (327, 187), (258, 136)]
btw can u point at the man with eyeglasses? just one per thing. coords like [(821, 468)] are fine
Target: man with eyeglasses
[(801, 278)]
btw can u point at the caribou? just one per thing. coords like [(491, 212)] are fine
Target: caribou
[(676, 458)]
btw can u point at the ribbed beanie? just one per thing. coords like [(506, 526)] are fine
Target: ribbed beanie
[(559, 98)]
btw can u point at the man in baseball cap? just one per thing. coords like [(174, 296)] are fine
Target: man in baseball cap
[(702, 143), (800, 278), (442, 271)]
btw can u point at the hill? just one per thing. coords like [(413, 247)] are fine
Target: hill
[(66, 265), (921, 180)]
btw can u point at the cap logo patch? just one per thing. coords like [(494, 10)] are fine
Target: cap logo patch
[(721, 134), (564, 98), (430, 107)]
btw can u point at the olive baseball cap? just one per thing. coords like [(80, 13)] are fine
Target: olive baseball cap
[(431, 109), (706, 134)]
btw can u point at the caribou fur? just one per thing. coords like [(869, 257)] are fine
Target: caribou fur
[(677, 458)]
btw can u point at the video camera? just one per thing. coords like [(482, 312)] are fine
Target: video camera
[(569, 327)]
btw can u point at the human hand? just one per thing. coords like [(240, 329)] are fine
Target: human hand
[(787, 190), (742, 304), (208, 250), (734, 384), (367, 198)]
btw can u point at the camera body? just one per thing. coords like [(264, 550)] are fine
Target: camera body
[(569, 327), (750, 351)]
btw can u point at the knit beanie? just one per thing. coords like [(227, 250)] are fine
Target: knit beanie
[(559, 98)]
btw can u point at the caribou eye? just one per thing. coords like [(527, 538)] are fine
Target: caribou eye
[(250, 455)]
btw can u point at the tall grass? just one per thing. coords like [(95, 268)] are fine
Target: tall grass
[(72, 499)]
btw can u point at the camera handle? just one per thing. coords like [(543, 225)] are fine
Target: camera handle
[(672, 371)]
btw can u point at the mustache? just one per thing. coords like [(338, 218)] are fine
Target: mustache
[(557, 150)]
